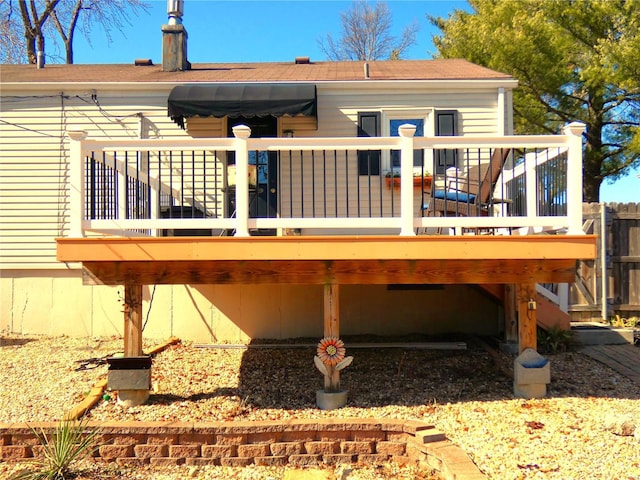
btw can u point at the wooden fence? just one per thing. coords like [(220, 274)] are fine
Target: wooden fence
[(610, 284)]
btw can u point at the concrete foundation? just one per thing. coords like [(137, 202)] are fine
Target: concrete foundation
[(531, 374), (132, 398), (534, 390), (332, 400)]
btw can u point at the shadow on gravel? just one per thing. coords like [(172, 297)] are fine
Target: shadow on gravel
[(14, 342), (286, 378), (168, 398)]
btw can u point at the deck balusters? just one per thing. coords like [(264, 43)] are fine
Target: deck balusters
[(120, 181)]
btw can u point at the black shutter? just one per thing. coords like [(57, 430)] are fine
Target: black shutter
[(446, 125), (369, 161)]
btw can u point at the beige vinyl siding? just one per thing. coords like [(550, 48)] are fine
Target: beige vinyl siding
[(301, 126), (34, 202), (337, 113), (211, 127), (32, 198)]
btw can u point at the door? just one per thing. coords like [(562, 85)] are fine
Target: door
[(263, 201)]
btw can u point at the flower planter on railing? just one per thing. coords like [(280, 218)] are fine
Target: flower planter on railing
[(417, 182)]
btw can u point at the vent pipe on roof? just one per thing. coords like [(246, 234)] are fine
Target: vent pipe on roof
[(366, 70), (174, 39), (175, 8), (40, 59)]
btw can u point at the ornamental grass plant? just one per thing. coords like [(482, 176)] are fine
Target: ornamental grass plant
[(69, 442)]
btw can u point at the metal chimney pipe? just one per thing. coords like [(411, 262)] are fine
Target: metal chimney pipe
[(40, 59), (175, 9), (366, 70)]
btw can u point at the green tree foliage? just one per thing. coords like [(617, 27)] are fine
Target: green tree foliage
[(575, 60)]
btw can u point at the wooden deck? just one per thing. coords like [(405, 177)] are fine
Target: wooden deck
[(624, 359), (330, 261)]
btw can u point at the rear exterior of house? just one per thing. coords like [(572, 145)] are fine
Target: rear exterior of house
[(39, 107), (251, 229)]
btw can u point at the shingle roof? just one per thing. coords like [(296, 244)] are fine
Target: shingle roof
[(443, 69)]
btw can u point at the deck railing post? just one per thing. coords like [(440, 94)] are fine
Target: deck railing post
[(406, 132), (242, 133), (76, 182), (574, 177), (531, 190)]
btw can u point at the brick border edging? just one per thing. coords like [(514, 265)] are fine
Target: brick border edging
[(241, 443)]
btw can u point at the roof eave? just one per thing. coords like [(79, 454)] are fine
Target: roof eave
[(450, 84)]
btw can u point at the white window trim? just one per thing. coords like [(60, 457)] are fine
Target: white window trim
[(426, 114)]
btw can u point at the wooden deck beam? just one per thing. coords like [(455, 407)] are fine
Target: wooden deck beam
[(317, 272)]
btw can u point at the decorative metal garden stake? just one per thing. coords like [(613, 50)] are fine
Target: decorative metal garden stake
[(330, 359)]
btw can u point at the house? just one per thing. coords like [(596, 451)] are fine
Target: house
[(226, 202)]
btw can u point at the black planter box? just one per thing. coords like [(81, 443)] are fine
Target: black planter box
[(129, 363), (129, 373)]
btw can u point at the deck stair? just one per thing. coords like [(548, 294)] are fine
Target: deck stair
[(549, 314)]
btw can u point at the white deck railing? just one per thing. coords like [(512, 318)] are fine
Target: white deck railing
[(200, 183)]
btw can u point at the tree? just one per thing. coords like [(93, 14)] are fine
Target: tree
[(41, 19), (366, 35), (108, 14), (574, 60), (33, 23), (11, 38)]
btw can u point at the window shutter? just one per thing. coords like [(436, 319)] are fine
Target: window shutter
[(446, 125), (369, 161)]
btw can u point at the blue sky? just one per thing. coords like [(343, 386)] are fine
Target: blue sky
[(248, 31)]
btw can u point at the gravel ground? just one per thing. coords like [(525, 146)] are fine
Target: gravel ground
[(572, 434)]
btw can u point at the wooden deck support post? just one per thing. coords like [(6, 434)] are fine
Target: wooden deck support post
[(510, 318), (531, 371), (526, 300), (132, 320), (331, 397), (332, 329), (132, 383)]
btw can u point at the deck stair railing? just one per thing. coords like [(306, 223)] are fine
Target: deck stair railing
[(542, 171), (313, 185)]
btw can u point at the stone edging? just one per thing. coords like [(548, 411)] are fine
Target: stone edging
[(293, 442)]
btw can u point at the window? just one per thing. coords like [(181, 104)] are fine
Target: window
[(446, 123), (369, 160), (418, 155)]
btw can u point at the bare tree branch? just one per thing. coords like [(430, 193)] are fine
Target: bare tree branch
[(366, 35), (12, 46), (68, 17)]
